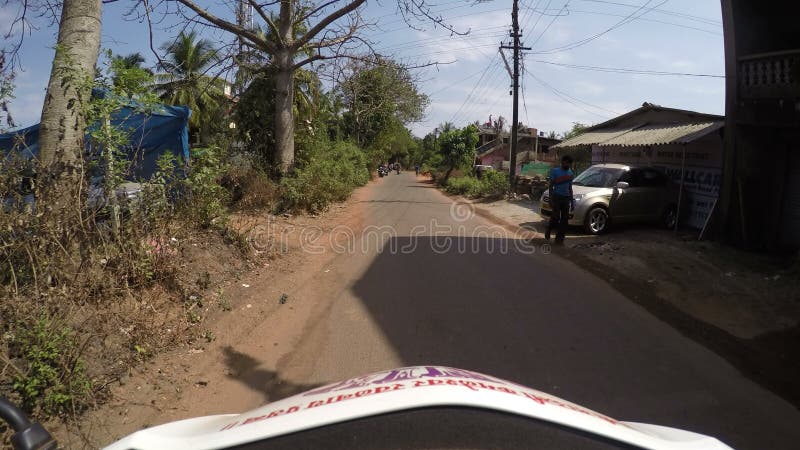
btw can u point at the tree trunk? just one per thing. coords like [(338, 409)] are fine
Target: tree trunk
[(63, 123), (284, 114), (447, 175), (284, 91)]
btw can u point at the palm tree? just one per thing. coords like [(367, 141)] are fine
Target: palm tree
[(130, 61), (185, 80)]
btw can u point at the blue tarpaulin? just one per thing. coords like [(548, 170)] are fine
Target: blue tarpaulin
[(160, 130)]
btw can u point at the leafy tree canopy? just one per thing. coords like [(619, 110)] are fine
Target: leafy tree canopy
[(376, 94), (577, 128)]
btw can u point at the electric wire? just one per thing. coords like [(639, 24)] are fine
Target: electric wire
[(570, 99), (478, 83), (667, 12), (628, 70), (629, 18), (549, 25)]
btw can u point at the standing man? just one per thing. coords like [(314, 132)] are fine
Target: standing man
[(560, 193), (416, 168)]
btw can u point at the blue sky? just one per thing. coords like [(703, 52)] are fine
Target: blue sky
[(471, 83)]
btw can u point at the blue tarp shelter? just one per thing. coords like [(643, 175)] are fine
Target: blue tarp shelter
[(159, 130)]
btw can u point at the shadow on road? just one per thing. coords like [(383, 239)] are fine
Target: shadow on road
[(245, 369), (475, 306)]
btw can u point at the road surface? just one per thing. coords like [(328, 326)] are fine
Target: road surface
[(449, 288)]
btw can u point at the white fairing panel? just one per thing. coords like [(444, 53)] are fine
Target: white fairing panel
[(397, 390)]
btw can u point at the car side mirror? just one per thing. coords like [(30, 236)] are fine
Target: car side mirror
[(622, 185)]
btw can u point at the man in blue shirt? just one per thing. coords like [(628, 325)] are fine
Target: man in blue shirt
[(560, 194)]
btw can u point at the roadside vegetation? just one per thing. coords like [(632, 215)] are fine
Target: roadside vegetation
[(490, 185), (447, 154), (95, 284)]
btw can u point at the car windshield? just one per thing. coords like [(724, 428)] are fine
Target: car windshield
[(598, 177)]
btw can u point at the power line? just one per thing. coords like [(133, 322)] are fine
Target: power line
[(524, 101), (528, 14), (549, 24), (480, 96), (488, 66), (630, 71), (458, 50), (451, 85), (449, 18), (539, 17), (415, 43), (570, 99), (629, 18), (647, 19), (475, 100), (661, 11)]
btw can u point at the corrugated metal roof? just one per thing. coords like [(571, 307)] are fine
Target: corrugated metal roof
[(662, 134), (656, 134), (592, 137)]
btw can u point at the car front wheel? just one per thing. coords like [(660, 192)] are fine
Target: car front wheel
[(670, 217), (596, 221)]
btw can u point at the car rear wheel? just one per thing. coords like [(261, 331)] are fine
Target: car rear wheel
[(670, 217), (596, 221)]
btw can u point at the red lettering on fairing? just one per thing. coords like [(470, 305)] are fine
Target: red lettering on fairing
[(344, 397), (229, 426), (381, 389), (551, 401), (471, 385)]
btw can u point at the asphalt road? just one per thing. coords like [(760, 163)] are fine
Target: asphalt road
[(487, 302)]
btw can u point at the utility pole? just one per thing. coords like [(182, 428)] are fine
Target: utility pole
[(515, 34)]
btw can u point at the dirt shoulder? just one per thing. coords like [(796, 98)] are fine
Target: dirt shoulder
[(256, 304), (744, 306)]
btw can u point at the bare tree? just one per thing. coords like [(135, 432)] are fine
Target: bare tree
[(328, 29), (63, 123)]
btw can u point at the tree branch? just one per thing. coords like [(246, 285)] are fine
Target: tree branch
[(322, 24), (315, 11), (228, 26), (267, 19)]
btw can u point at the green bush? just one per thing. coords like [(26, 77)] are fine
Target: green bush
[(205, 197), (55, 379), (466, 186), (492, 184), (329, 175)]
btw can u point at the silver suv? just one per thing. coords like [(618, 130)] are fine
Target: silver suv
[(618, 193)]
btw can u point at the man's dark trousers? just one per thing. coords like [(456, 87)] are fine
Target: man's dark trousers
[(559, 215)]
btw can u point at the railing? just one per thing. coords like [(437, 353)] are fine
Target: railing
[(770, 75), (488, 145)]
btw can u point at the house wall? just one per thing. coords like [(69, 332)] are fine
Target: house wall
[(762, 51), (493, 159), (703, 170)]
